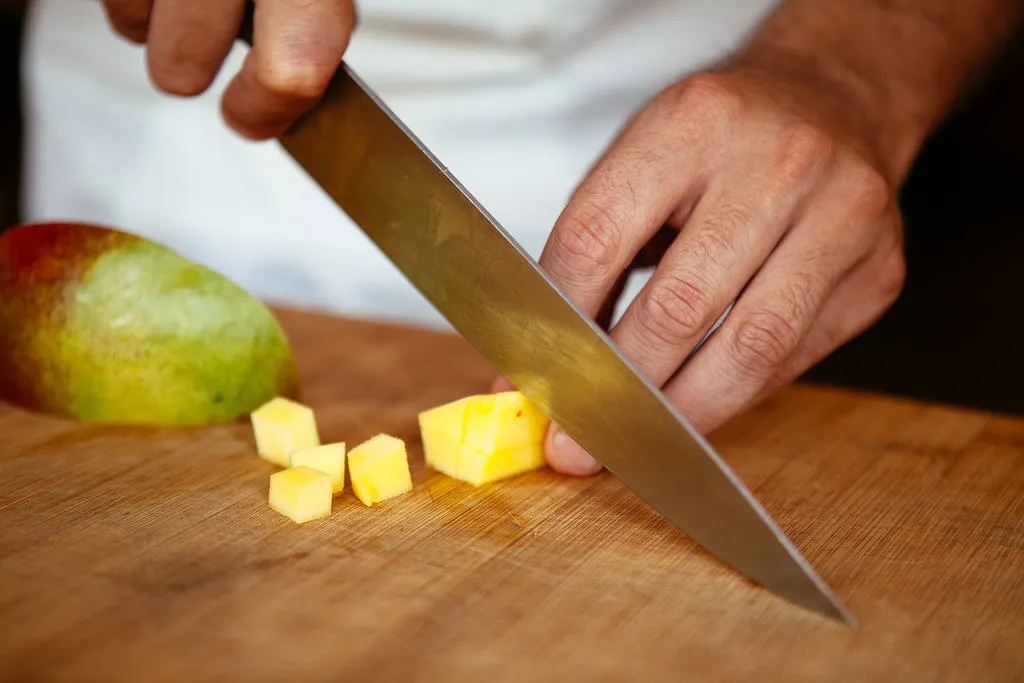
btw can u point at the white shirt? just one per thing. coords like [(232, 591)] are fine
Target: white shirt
[(517, 99)]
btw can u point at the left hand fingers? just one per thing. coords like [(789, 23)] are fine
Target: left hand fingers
[(856, 304), (819, 288), (830, 277), (724, 242)]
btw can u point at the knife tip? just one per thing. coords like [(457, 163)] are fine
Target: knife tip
[(824, 602)]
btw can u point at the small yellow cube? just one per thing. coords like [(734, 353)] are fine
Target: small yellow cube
[(506, 420), (329, 459), (478, 468), (301, 494), (282, 426), (379, 469)]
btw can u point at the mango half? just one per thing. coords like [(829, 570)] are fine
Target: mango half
[(100, 325)]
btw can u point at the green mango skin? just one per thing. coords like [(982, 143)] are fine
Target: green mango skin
[(100, 325)]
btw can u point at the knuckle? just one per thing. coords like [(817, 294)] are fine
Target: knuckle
[(587, 241), (296, 78), (676, 309), (707, 97), (763, 341), (870, 192), (802, 147)]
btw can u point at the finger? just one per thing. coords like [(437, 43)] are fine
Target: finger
[(725, 241), (856, 304), (723, 244), (297, 47), (565, 456), (738, 222), (771, 321), (130, 18), (630, 193), (606, 313), (188, 41)]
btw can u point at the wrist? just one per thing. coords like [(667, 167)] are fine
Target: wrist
[(887, 124)]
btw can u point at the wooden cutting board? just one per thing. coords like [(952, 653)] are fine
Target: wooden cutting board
[(134, 554)]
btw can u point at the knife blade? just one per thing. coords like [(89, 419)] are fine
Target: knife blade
[(499, 299)]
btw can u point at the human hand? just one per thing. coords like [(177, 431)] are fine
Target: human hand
[(297, 47), (756, 178)]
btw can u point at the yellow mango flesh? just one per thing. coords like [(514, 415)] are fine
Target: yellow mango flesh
[(478, 468), (499, 421), (282, 426), (449, 419), (301, 494), (379, 469), (329, 459), (439, 427), (440, 451), (480, 439)]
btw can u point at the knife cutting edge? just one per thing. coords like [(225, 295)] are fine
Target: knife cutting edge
[(497, 297)]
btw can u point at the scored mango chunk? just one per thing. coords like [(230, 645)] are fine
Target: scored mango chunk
[(301, 494), (441, 451), (478, 468), (379, 469), (498, 421), (329, 459), (282, 426), (480, 439)]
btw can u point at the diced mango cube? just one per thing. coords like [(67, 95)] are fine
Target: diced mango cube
[(301, 494), (498, 421), (479, 439), (478, 468), (379, 469), (282, 426), (329, 459)]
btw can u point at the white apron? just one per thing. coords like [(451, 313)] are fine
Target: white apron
[(518, 99)]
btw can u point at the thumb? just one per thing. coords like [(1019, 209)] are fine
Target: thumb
[(568, 457)]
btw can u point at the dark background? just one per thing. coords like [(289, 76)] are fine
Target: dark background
[(954, 335), (10, 114)]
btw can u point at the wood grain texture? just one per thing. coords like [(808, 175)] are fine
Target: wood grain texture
[(132, 554)]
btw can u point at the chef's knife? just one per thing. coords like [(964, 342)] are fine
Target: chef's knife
[(497, 297)]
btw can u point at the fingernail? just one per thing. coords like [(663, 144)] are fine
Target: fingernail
[(568, 457)]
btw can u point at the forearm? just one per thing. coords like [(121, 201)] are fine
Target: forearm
[(900, 64)]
